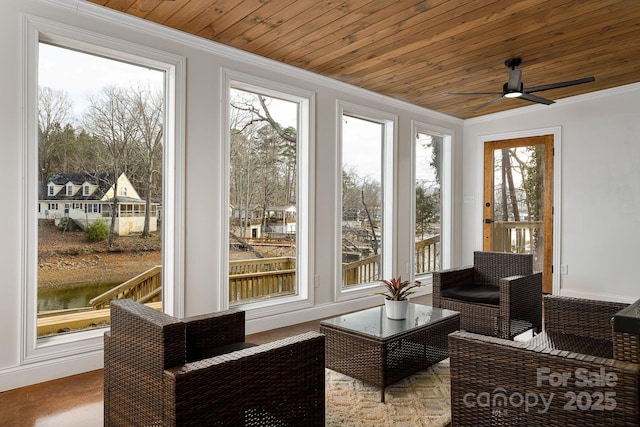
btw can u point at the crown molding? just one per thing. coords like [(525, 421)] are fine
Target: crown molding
[(133, 23)]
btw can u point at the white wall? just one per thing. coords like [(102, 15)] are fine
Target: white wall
[(600, 187), (204, 165), (600, 181)]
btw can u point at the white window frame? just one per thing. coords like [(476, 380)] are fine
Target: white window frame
[(92, 207), (36, 30), (69, 189), (389, 178), (305, 192), (86, 189), (52, 189), (446, 196)]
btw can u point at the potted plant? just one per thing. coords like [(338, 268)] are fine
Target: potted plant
[(395, 296)]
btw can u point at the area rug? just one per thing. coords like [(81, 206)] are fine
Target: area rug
[(421, 400)]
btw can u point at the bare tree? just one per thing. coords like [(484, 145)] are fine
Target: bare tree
[(147, 109), (242, 165), (361, 197), (54, 116), (109, 118), (257, 115), (263, 157)]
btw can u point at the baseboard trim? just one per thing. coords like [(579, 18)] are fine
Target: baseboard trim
[(309, 314), (318, 312), (33, 373), (599, 296)]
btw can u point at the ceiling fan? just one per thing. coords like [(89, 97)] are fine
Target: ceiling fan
[(514, 88)]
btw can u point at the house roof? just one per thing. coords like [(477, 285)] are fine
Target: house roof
[(417, 51), (103, 180)]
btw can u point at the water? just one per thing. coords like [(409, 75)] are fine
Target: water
[(72, 296)]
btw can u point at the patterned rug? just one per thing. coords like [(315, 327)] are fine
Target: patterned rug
[(421, 400)]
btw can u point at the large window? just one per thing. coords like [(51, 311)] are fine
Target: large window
[(431, 200), (100, 139), (366, 197), (99, 121), (269, 197)]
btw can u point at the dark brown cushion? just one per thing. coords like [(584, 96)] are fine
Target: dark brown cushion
[(481, 294), (628, 319)]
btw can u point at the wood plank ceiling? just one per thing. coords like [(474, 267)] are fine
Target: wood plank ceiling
[(417, 50)]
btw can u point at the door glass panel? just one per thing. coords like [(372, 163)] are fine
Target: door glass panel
[(518, 201)]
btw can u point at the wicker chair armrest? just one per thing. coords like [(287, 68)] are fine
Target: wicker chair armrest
[(282, 381), (519, 292), (579, 316), (208, 331), (496, 369)]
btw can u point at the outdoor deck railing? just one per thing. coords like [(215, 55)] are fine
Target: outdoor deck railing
[(427, 257), (145, 287), (261, 278), (261, 264), (362, 271), (521, 237), (516, 236), (249, 279)]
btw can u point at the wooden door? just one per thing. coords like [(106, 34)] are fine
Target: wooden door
[(518, 200)]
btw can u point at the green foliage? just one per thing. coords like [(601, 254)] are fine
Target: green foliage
[(398, 290), (533, 183), (427, 208), (97, 232)]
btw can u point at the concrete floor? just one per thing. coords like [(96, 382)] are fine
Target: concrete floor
[(76, 401)]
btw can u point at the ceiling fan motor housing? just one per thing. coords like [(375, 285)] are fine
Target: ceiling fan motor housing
[(513, 62), (514, 88)]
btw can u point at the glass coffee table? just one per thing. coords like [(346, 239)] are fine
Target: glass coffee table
[(372, 348)]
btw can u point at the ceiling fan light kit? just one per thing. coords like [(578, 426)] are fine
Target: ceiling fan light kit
[(514, 87), (512, 94)]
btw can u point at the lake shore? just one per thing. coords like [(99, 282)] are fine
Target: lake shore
[(66, 270), (67, 258)]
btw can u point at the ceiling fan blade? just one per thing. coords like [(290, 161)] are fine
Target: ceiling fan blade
[(486, 104), (515, 80), (533, 98), (560, 84), (473, 93)]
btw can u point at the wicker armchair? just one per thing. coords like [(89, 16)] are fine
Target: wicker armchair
[(163, 371), (568, 375), (499, 295)]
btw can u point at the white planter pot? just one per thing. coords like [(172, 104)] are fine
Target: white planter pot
[(396, 309)]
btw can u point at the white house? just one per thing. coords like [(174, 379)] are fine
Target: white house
[(86, 198)]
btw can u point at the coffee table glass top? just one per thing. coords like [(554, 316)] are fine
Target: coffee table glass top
[(375, 323)]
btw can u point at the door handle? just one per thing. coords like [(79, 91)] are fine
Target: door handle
[(488, 221)]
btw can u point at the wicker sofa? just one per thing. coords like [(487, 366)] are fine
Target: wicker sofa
[(499, 295), (163, 371), (580, 371)]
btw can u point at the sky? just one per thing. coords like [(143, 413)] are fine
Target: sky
[(362, 148), (81, 75)]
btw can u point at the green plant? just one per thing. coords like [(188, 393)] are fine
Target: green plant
[(97, 231), (397, 290)]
